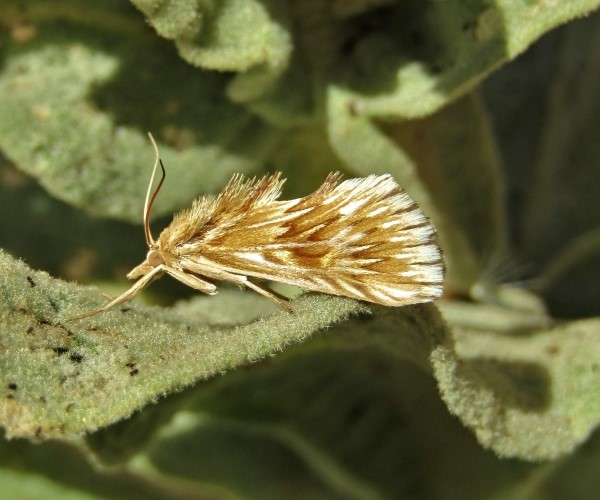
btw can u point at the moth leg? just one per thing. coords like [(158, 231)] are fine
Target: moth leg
[(238, 279), (270, 294), (192, 281), (136, 288)]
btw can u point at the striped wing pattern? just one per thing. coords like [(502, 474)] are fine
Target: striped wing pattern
[(362, 238)]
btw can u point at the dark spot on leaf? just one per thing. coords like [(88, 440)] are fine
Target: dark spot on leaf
[(22, 310), (69, 407), (134, 372), (44, 322), (10, 396), (31, 282), (30, 329), (12, 386), (76, 358), (38, 432), (60, 350), (131, 364)]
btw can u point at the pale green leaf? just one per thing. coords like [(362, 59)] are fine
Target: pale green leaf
[(70, 377)]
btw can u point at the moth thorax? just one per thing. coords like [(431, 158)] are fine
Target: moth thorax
[(155, 258)]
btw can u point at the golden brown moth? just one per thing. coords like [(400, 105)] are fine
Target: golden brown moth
[(362, 238)]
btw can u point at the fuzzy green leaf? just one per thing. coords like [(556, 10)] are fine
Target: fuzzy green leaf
[(69, 377), (233, 35), (521, 379), (129, 359), (69, 117), (431, 53), (368, 382)]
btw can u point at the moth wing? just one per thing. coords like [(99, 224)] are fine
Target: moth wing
[(361, 238)]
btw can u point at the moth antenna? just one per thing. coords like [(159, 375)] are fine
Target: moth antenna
[(150, 198)]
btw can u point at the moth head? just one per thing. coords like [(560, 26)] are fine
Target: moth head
[(154, 258)]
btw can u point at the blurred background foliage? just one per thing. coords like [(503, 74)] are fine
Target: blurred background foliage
[(483, 110)]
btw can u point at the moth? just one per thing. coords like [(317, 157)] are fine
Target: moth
[(362, 238)]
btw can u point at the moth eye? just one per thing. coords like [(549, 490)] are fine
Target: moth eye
[(155, 258)]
